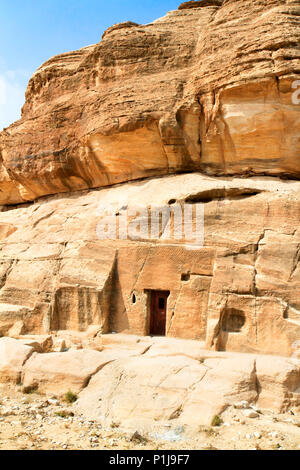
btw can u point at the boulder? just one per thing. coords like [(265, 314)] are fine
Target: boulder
[(56, 373), (40, 343), (278, 382), (174, 389), (158, 385), (13, 355), (227, 381), (17, 329)]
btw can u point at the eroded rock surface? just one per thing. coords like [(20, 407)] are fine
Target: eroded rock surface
[(37, 423), (184, 390), (57, 373), (205, 91), (13, 355), (238, 292), (206, 88), (174, 382)]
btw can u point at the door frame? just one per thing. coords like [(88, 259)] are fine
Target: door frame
[(150, 293)]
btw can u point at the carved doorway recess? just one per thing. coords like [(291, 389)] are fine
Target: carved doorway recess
[(158, 312)]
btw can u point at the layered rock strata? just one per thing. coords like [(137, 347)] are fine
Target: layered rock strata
[(239, 291), (208, 91), (207, 88), (176, 383)]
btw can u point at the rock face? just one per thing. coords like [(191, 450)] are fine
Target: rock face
[(13, 355), (238, 292), (171, 385), (59, 372), (205, 88), (174, 382)]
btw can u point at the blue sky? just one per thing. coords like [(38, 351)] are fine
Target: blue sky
[(33, 30)]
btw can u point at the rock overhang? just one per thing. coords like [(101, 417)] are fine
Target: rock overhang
[(184, 93)]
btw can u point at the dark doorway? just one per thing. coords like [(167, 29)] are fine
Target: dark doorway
[(158, 312)]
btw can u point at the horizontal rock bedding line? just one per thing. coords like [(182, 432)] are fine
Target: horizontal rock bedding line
[(175, 380)]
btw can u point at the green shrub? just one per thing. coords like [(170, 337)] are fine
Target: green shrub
[(216, 421), (71, 397)]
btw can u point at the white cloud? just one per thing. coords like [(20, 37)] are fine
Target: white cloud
[(12, 95)]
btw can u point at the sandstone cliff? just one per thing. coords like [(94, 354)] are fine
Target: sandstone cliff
[(206, 88), (57, 275)]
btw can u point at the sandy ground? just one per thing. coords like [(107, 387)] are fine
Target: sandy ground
[(30, 422)]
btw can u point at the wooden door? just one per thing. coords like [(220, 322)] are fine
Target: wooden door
[(158, 313)]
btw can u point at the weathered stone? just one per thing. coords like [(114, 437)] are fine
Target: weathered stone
[(40, 343), (59, 345), (157, 384), (182, 390), (57, 373), (226, 382), (17, 329), (137, 104), (241, 405), (229, 294), (279, 383), (251, 414), (13, 354)]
